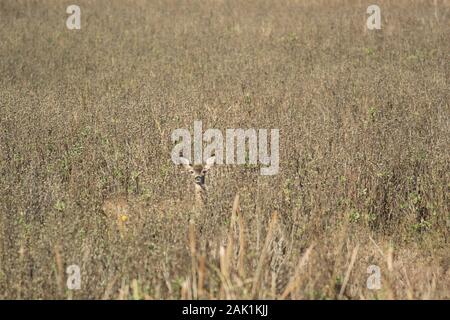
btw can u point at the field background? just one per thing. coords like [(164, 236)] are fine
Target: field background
[(364, 121)]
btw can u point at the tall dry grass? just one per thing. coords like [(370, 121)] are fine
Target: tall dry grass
[(364, 149)]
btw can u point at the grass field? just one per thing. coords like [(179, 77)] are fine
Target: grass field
[(364, 119)]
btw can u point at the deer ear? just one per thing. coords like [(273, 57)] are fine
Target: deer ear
[(209, 163), (185, 163)]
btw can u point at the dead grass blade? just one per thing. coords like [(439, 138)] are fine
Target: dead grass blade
[(349, 270), (262, 257), (295, 281)]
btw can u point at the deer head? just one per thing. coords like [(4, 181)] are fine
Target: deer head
[(198, 171)]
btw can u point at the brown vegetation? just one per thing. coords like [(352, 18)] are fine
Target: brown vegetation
[(364, 149)]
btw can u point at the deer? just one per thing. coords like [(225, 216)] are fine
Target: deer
[(121, 207), (198, 171)]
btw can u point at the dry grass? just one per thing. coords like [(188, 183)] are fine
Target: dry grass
[(364, 127)]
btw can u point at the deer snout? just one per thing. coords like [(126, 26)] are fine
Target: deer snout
[(199, 179)]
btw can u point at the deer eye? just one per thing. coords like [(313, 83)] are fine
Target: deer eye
[(191, 171)]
